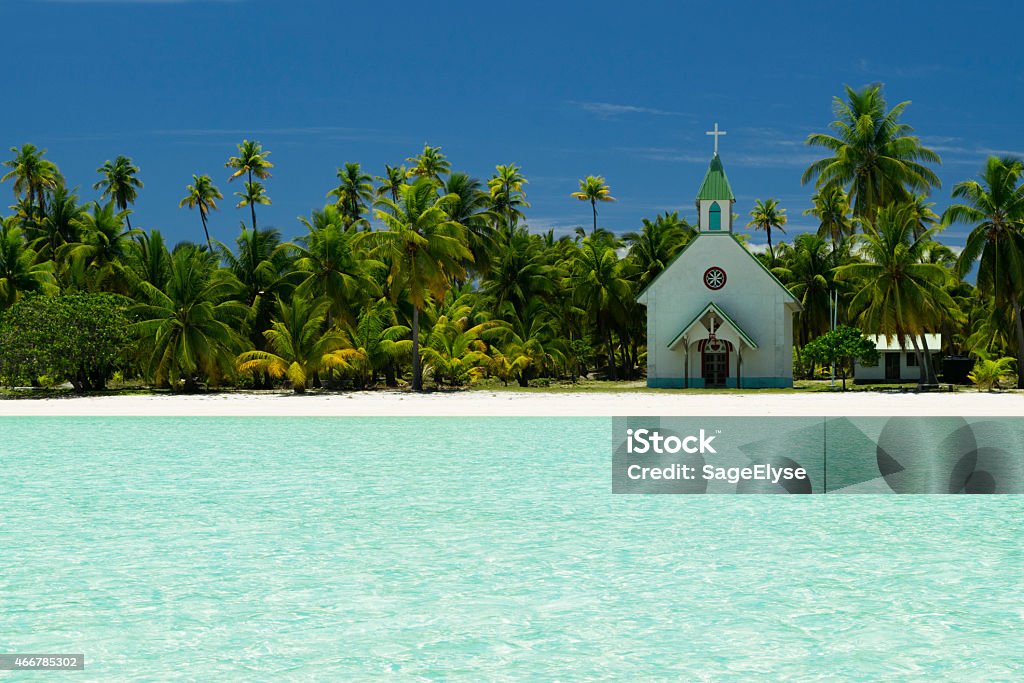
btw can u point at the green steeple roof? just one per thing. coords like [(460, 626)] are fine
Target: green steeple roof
[(715, 185)]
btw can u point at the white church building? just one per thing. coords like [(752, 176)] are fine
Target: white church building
[(716, 317)]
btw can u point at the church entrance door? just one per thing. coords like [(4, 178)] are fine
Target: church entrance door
[(715, 368)]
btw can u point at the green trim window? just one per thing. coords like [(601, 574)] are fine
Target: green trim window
[(715, 217)]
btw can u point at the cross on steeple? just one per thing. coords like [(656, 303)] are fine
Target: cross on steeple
[(716, 133)]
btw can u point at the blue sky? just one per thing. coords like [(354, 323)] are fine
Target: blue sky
[(563, 89)]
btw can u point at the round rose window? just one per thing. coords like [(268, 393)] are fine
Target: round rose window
[(714, 278)]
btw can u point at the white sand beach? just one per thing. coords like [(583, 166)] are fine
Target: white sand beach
[(480, 403)]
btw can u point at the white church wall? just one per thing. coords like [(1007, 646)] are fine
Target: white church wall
[(751, 297), (704, 211)]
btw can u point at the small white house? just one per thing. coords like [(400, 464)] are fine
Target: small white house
[(716, 317), (896, 362)]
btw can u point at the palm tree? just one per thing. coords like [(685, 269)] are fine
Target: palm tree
[(429, 163), (148, 260), (119, 183), (251, 162), (62, 225), (896, 292), (104, 244), (995, 206), (874, 156), (300, 345), (376, 344), (657, 244), (767, 215), (254, 194), (598, 285), (528, 343), (832, 209), (425, 248), (355, 189), (924, 217), (331, 263), (594, 189), (391, 182), (508, 198), (187, 330), (468, 206), (33, 176), (519, 274), (454, 350), (202, 193), (807, 272), (20, 272), (262, 268)]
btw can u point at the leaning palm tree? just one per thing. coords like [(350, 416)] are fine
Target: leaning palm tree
[(20, 272), (832, 209), (995, 206), (187, 330), (354, 190), (874, 156), (33, 176), (426, 251), (299, 344), (254, 194), (896, 293), (429, 163), (767, 215), (251, 162), (120, 184), (202, 194), (594, 189)]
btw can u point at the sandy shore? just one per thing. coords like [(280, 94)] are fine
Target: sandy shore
[(488, 403)]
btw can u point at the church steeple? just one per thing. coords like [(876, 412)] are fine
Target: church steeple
[(715, 197)]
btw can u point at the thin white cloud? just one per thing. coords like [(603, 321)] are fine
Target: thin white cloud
[(608, 110)]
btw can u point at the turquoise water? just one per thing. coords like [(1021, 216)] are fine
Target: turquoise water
[(473, 549)]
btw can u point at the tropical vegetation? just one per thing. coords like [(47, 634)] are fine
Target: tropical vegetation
[(426, 276)]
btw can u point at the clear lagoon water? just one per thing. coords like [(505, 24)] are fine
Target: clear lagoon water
[(473, 549)]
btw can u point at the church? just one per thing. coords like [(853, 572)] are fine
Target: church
[(716, 317)]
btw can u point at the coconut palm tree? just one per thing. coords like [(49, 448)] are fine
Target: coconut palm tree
[(61, 225), (391, 182), (376, 344), (896, 293), (251, 162), (430, 163), (454, 350), (330, 262), (657, 243), (300, 344), (254, 194), (995, 208), (148, 260), (597, 282), (120, 184), (354, 190), (874, 156), (263, 270), (807, 270), (202, 194), (187, 329), (519, 274), (468, 207), (20, 272), (425, 248), (104, 244), (832, 209), (594, 189), (528, 343), (508, 199), (33, 177), (767, 215)]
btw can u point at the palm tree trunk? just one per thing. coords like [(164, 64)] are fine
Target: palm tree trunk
[(922, 377), (927, 357), (417, 371), (771, 252), (1019, 325), (128, 220), (593, 205), (252, 207), (207, 232), (613, 369)]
